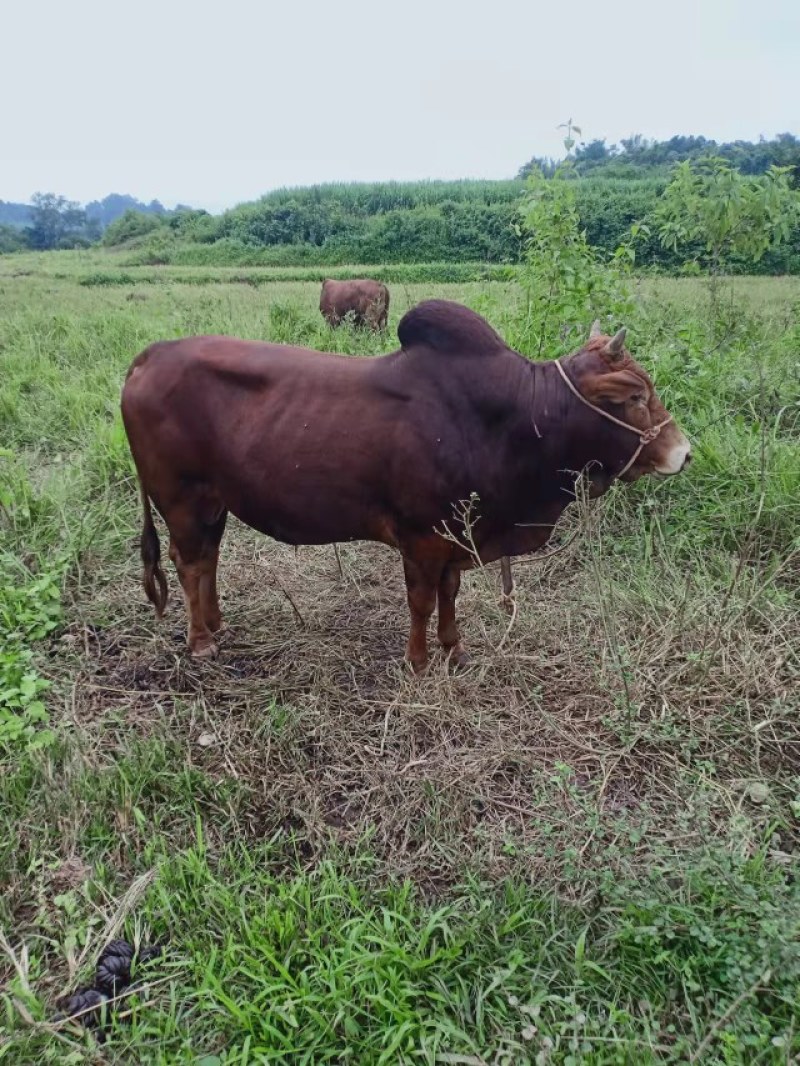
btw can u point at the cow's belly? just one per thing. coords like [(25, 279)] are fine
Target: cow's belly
[(313, 517), (321, 489), (289, 529)]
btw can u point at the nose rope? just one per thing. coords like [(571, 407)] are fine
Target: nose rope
[(646, 436)]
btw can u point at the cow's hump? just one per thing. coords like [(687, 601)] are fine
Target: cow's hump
[(448, 327)]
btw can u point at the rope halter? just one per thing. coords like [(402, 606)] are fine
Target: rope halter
[(646, 436)]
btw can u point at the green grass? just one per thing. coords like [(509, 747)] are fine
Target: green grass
[(583, 851), (271, 964)]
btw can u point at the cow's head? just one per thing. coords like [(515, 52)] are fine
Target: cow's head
[(609, 378)]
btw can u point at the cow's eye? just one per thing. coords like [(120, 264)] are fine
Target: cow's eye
[(638, 398)]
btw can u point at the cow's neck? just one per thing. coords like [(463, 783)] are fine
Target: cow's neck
[(556, 437), (572, 437), (559, 437)]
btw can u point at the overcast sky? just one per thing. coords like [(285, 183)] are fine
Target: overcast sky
[(212, 105)]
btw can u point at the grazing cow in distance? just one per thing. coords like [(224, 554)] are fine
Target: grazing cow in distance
[(314, 448), (366, 300)]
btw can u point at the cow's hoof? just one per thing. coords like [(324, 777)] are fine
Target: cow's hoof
[(508, 600), (209, 650), (417, 666), (458, 658)]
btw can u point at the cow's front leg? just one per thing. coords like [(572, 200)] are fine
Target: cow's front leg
[(421, 587), (509, 588), (448, 633)]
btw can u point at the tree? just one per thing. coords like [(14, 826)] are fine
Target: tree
[(566, 281), (538, 164), (721, 216), (115, 205), (635, 144), (57, 223), (590, 155)]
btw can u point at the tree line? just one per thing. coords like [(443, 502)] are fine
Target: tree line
[(51, 221), (635, 157), (615, 187)]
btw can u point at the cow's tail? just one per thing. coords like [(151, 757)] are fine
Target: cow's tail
[(155, 584)]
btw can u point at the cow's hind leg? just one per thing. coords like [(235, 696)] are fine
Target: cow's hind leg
[(194, 549), (448, 633), (422, 581), (210, 598)]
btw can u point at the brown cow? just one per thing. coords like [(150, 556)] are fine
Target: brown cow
[(366, 300), (313, 448)]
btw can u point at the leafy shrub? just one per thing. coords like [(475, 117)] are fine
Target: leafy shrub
[(567, 282), (129, 226), (724, 217), (158, 248)]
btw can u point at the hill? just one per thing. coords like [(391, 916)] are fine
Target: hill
[(16, 215)]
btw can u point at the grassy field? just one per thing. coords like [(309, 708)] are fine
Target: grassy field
[(584, 849)]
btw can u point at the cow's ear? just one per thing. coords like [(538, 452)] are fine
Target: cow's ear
[(619, 387), (614, 351)]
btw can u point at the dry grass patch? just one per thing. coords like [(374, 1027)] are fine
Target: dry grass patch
[(608, 724)]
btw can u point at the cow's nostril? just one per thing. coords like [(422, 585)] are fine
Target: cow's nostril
[(688, 459)]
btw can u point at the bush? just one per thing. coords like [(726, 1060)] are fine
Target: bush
[(130, 225), (11, 240)]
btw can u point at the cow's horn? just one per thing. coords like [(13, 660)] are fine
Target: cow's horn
[(595, 330), (616, 344)]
